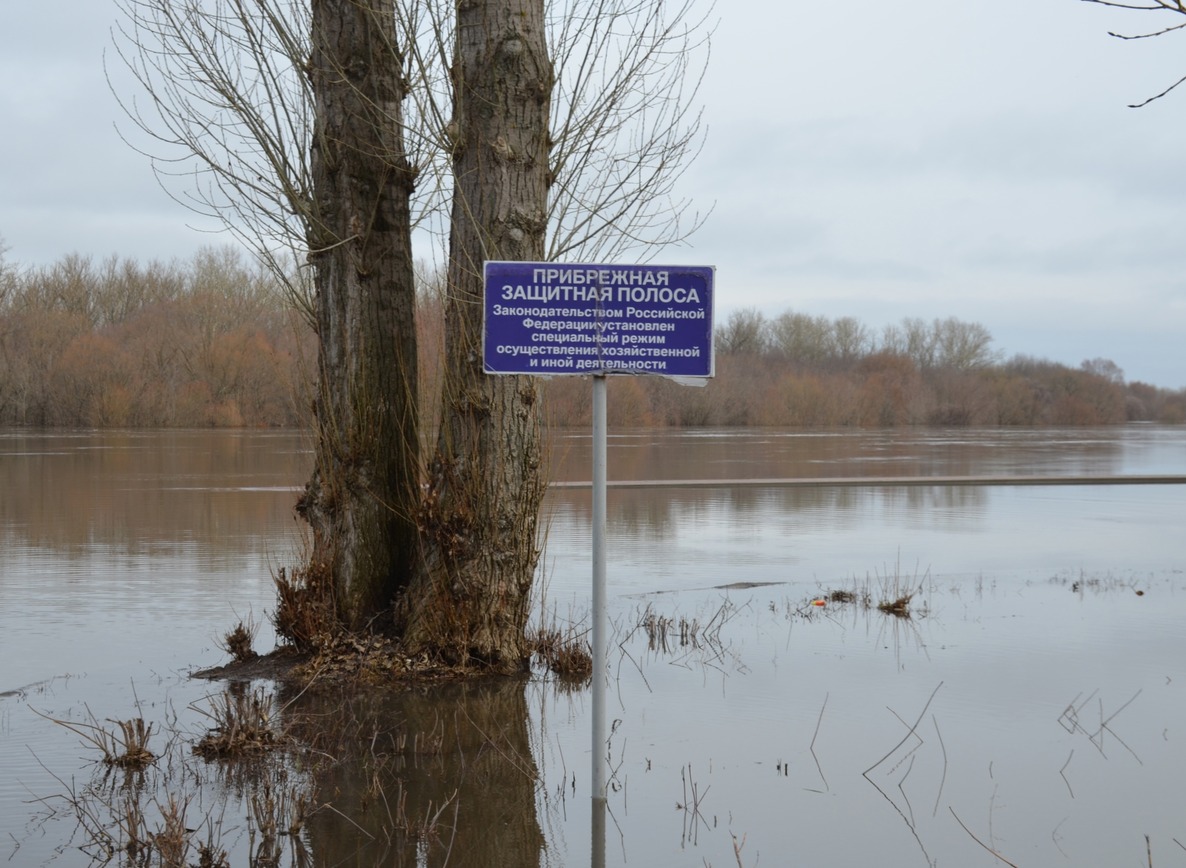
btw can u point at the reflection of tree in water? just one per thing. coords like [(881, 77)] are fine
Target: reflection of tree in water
[(756, 453), (151, 492), (424, 776), (656, 513)]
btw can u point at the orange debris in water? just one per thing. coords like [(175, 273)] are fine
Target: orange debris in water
[(818, 602)]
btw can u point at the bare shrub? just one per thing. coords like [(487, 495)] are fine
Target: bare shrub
[(305, 612), (240, 641)]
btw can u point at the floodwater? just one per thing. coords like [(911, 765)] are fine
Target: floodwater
[(1031, 708)]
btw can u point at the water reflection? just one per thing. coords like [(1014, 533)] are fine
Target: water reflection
[(655, 512), (148, 492), (433, 776), (762, 454), (122, 555)]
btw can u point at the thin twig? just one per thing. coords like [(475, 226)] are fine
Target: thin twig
[(977, 840), (814, 735), (943, 779), (911, 732), (1064, 777)]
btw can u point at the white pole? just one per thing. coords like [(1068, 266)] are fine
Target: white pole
[(600, 761)]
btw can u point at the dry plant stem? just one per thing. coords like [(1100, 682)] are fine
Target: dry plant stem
[(172, 840), (977, 840), (737, 847), (691, 807), (127, 750), (814, 736), (943, 778), (911, 732), (1062, 773)]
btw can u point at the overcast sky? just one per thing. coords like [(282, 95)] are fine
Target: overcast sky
[(864, 158)]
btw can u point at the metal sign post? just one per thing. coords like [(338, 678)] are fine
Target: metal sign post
[(600, 759), (549, 319)]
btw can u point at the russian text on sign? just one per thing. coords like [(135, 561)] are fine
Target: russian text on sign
[(563, 318)]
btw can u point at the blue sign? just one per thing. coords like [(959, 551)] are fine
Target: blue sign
[(549, 318)]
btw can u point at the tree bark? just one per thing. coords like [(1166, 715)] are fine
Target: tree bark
[(361, 499), (479, 522)]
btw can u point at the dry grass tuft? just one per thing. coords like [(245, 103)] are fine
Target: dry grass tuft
[(897, 592), (125, 747), (130, 745), (240, 642), (242, 726), (898, 607), (564, 653)]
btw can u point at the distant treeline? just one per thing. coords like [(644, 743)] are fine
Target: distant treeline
[(216, 342), (797, 370), (210, 342)]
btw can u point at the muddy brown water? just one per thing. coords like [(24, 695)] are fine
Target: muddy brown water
[(1034, 704)]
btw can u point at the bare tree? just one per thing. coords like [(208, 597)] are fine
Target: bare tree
[(254, 109), (1105, 368), (942, 343), (802, 338), (851, 339), (228, 120), (912, 338), (7, 276), (222, 105), (961, 345), (1155, 6), (744, 332), (289, 119), (625, 124)]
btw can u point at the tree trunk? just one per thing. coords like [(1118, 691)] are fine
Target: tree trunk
[(470, 600), (360, 501)]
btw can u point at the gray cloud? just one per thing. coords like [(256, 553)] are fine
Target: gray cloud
[(865, 159)]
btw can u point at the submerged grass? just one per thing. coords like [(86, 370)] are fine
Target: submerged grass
[(891, 593), (146, 818), (413, 798)]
